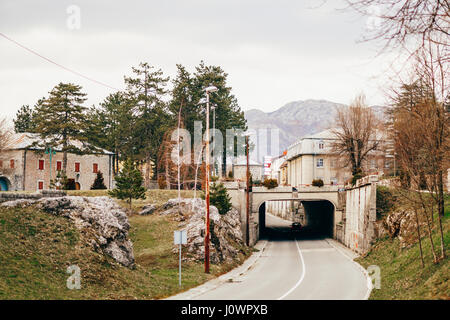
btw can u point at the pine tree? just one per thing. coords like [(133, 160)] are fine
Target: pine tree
[(128, 184), (111, 126), (61, 118), (228, 112), (23, 121), (145, 92), (99, 182), (219, 198)]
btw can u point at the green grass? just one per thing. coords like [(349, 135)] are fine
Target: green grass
[(402, 275), (36, 248)]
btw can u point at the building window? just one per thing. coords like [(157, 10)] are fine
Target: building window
[(387, 163), (58, 165), (11, 164), (77, 167), (95, 168), (319, 163), (41, 165), (321, 145), (40, 185)]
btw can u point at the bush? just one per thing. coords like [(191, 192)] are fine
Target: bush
[(129, 184), (358, 175), (99, 182), (270, 183), (317, 183), (230, 175), (385, 201), (256, 183)]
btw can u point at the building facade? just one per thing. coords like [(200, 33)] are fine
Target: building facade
[(311, 158), (23, 168)]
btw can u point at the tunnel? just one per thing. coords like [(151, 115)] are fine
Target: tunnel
[(319, 218), (315, 216)]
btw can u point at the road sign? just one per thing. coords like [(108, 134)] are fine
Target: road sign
[(180, 237)]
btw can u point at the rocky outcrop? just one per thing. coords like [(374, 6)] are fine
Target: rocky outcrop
[(403, 224), (226, 235), (99, 217), (147, 209)]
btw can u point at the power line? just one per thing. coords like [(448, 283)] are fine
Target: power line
[(57, 64)]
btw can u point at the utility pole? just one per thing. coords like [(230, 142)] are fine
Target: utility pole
[(247, 227), (208, 154)]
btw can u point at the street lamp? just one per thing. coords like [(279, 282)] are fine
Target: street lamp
[(208, 91)]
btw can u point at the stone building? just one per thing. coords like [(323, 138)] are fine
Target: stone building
[(311, 158), (25, 168), (240, 169)]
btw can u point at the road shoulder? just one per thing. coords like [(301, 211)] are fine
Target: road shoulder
[(227, 277)]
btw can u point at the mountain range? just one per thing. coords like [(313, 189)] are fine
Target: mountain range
[(297, 119)]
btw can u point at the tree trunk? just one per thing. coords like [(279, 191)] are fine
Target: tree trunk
[(419, 237), (441, 210), (147, 170), (430, 234)]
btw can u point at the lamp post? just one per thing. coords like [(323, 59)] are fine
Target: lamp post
[(213, 107), (51, 153), (208, 91)]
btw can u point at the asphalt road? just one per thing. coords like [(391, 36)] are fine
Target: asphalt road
[(295, 269)]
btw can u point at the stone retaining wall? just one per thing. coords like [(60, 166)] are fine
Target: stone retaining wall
[(11, 196)]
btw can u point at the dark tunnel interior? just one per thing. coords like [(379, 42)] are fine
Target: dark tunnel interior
[(317, 222)]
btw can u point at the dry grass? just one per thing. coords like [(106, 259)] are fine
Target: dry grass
[(36, 248)]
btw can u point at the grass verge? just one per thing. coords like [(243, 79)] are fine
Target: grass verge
[(402, 274), (36, 249)]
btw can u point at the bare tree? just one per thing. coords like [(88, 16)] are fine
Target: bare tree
[(422, 143), (406, 23), (356, 134), (5, 135)]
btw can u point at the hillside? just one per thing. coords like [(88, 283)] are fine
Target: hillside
[(402, 275), (37, 247), (297, 119)]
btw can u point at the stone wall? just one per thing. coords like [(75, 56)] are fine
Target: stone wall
[(26, 174), (31, 196), (360, 215)]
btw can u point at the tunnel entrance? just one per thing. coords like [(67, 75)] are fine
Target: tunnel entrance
[(319, 218), (315, 216)]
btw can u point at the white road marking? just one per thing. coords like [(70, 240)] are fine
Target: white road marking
[(301, 277)]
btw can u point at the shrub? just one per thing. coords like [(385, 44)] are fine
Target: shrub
[(385, 201), (270, 183), (218, 197), (99, 182), (129, 184), (230, 175), (358, 175), (317, 183), (256, 183)]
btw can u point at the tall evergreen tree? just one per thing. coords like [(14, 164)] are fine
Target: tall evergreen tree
[(112, 126), (146, 91), (61, 118), (24, 120), (129, 183), (228, 112)]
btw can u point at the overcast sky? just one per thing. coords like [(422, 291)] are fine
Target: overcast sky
[(274, 51)]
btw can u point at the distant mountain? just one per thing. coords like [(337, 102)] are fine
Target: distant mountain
[(297, 119)]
